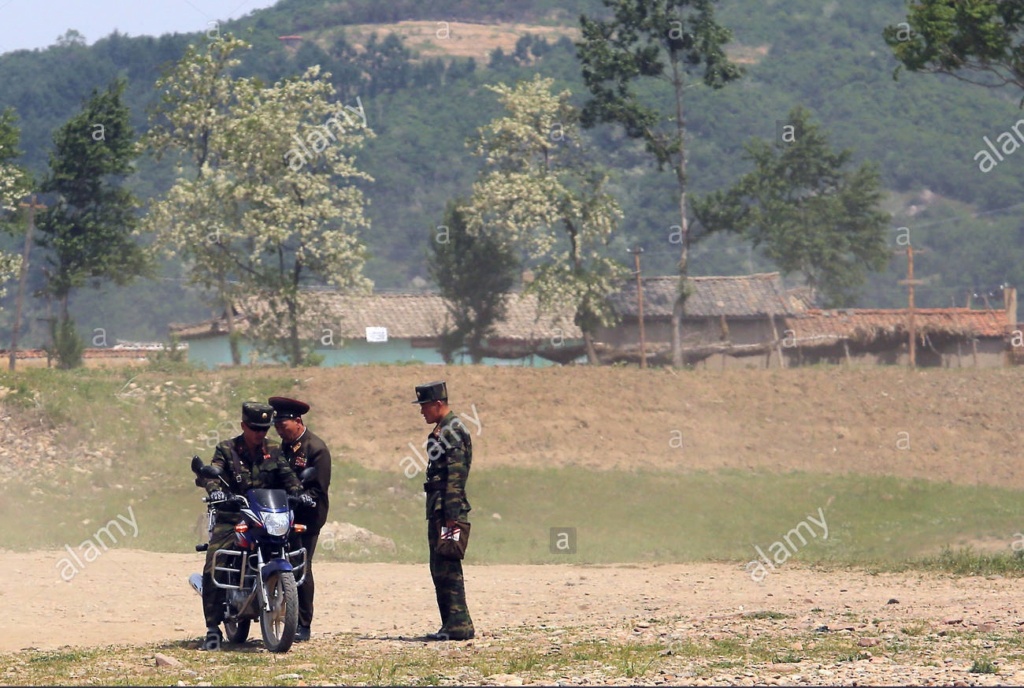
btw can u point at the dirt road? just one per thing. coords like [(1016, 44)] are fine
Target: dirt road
[(135, 597)]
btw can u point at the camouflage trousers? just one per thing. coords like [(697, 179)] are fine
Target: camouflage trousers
[(449, 586), (223, 536)]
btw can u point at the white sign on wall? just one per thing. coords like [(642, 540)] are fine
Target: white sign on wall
[(376, 334)]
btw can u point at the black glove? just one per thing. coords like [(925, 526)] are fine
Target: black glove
[(306, 499), (218, 496)]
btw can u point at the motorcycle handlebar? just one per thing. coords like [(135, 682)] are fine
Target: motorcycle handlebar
[(232, 500), (239, 500)]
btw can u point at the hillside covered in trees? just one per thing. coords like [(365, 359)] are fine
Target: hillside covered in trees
[(403, 64)]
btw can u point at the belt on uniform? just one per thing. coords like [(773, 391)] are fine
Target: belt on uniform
[(435, 486)]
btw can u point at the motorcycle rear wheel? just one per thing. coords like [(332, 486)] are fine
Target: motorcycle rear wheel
[(279, 624), (237, 631)]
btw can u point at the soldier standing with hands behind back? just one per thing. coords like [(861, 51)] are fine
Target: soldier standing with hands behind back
[(450, 451), (302, 449)]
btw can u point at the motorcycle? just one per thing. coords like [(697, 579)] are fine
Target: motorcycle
[(260, 574)]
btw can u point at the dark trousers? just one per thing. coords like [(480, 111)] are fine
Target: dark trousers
[(307, 589), (213, 597), (449, 585)]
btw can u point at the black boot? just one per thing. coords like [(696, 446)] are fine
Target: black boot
[(302, 634), (214, 639)]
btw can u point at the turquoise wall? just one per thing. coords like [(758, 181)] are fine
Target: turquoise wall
[(214, 351)]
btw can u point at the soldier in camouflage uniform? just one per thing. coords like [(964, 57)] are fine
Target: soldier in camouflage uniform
[(450, 452), (247, 462)]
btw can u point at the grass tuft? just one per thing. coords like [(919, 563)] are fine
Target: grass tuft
[(965, 561), (766, 615), (983, 666)]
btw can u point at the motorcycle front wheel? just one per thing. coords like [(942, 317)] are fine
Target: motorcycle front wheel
[(281, 620)]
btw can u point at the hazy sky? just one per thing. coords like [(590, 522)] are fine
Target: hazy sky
[(38, 23)]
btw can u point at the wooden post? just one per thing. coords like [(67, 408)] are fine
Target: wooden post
[(32, 206), (910, 305), (910, 282), (1010, 301), (778, 342), (640, 305)]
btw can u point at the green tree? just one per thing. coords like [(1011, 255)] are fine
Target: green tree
[(386, 63), (475, 273), (805, 211), (977, 41), (538, 193), (667, 41), (275, 204), (192, 121), (14, 182), (87, 231)]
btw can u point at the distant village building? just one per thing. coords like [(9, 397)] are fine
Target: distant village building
[(946, 337), (399, 328), (753, 321), (727, 321), (749, 321)]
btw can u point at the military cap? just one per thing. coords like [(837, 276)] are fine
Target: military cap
[(257, 415), (286, 408), (432, 391)]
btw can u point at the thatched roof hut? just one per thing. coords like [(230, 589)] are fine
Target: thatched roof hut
[(876, 326)]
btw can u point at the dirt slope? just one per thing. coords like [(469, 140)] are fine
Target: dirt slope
[(950, 425)]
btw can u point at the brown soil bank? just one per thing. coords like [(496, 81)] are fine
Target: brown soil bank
[(949, 425)]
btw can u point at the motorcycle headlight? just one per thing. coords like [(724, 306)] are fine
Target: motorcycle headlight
[(276, 523)]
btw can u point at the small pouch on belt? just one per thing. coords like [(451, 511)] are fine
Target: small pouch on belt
[(452, 542)]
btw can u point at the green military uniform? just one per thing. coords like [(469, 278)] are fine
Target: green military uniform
[(450, 453), (308, 451), (243, 472)]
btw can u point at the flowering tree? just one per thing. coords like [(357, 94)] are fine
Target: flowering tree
[(13, 180), (537, 192), (13, 185), (10, 178), (271, 206)]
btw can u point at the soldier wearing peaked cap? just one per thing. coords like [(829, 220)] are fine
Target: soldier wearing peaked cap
[(302, 449), (450, 452), (247, 462)]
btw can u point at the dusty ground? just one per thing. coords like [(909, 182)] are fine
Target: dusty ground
[(958, 426), (133, 597)]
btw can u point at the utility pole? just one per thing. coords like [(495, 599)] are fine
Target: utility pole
[(640, 304), (911, 282), (32, 206)]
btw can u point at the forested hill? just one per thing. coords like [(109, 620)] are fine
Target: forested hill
[(418, 69)]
